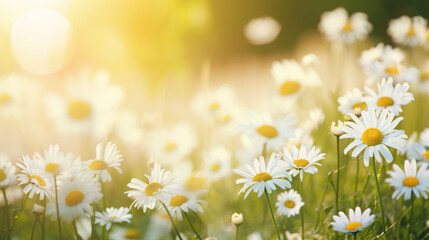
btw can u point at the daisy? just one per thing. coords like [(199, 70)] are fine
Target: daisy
[(354, 223), (300, 160), (409, 181), (188, 179), (146, 194), (106, 157), (217, 163), (75, 198), (126, 233), (113, 215), (424, 137), (54, 162), (407, 31), (14, 195), (291, 77), (34, 179), (289, 203), (338, 26), (302, 137), (170, 144), (380, 54), (262, 30), (352, 102), (273, 132), (261, 177), (423, 83), (11, 96), (86, 107), (212, 103), (7, 172), (374, 133), (177, 203), (389, 97)]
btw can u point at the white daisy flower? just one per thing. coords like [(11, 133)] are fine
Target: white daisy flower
[(374, 133), (302, 137), (297, 161), (86, 108), (188, 180), (212, 103), (273, 132), (422, 85), (126, 233), (352, 102), (106, 157), (177, 203), (262, 30), (7, 172), (75, 198), (293, 236), (54, 162), (354, 223), (389, 97), (410, 180), (146, 194), (291, 77), (14, 195), (171, 144), (113, 215), (338, 26), (407, 31), (34, 179), (217, 163), (381, 54), (424, 137), (261, 177), (289, 203)]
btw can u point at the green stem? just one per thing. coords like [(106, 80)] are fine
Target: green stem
[(192, 226), (411, 217), (103, 230), (58, 209), (338, 174), (379, 194), (354, 235), (236, 232), (272, 214), (264, 150), (6, 205), (34, 226), (15, 218), (171, 219), (302, 211), (356, 182), (93, 222)]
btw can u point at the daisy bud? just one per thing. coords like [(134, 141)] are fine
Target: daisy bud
[(237, 219), (336, 128), (357, 112), (37, 209)]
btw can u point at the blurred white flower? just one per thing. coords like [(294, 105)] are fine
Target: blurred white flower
[(86, 107), (409, 181), (289, 203), (302, 159), (84, 227), (389, 97), (352, 101), (7, 172), (113, 215), (316, 117), (293, 236), (126, 233), (354, 223), (193, 182), (263, 177), (14, 195), (128, 129), (424, 137), (407, 31), (171, 144), (338, 26), (254, 236), (107, 156), (250, 149), (11, 96), (217, 163), (262, 30), (302, 137)]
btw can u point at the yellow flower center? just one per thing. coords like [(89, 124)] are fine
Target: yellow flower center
[(2, 175), (214, 106), (170, 146), (410, 182), (51, 167), (392, 70), (372, 137), (267, 131), (178, 200), (353, 225), (39, 180), (300, 162), (385, 101), (152, 188), (194, 183), (4, 98), (263, 176), (98, 165), (360, 105), (347, 27), (289, 88), (226, 118), (132, 233), (424, 75), (79, 109), (74, 197), (289, 204), (411, 32), (426, 154), (215, 167)]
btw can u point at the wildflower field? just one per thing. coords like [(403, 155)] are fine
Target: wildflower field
[(187, 120)]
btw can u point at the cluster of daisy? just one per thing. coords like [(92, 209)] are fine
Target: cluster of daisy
[(63, 187)]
